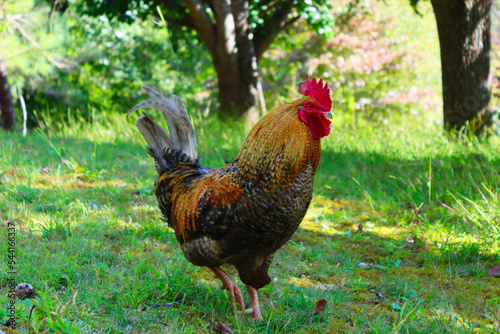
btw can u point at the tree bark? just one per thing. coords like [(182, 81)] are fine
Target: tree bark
[(234, 59), (465, 42), (228, 38), (6, 106)]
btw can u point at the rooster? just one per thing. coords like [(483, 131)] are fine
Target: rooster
[(242, 213)]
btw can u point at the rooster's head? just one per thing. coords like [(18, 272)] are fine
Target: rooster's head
[(315, 111)]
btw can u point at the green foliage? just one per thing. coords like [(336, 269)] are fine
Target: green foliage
[(125, 11), (366, 60), (109, 77), (107, 70), (31, 38), (318, 15), (373, 65)]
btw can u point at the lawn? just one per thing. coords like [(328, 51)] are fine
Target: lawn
[(400, 235)]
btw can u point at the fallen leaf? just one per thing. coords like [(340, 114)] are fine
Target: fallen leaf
[(221, 328), (495, 271), (320, 307)]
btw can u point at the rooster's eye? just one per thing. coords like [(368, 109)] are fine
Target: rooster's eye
[(310, 106)]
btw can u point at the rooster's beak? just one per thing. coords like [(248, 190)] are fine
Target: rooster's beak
[(328, 115)]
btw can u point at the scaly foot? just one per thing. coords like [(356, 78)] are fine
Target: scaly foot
[(254, 310), (228, 283)]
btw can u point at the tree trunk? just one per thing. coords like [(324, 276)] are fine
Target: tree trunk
[(465, 42), (236, 64), (237, 78), (6, 106), (228, 38), (237, 90)]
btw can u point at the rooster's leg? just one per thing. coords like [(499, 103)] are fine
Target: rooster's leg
[(228, 283), (254, 310)]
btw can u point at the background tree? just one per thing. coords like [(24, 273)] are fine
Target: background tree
[(236, 34), (6, 106), (31, 49), (465, 43)]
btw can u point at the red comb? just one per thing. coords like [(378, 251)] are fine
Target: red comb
[(316, 90)]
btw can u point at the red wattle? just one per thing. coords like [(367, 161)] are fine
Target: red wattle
[(320, 126)]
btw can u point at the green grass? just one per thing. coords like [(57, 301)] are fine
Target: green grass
[(91, 242)]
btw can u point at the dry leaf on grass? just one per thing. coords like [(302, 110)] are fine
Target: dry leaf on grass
[(320, 307), (221, 328)]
